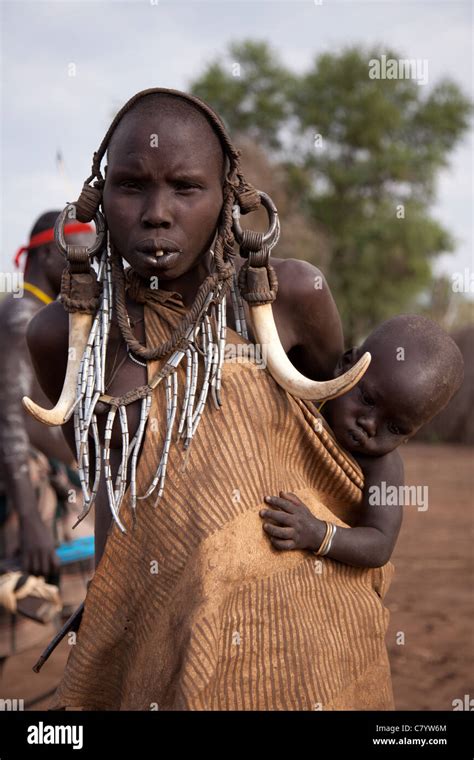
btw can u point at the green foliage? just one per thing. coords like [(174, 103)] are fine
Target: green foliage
[(361, 157), (253, 99), (379, 262)]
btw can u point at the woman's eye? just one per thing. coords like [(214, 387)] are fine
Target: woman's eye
[(394, 429), (129, 184), (184, 187)]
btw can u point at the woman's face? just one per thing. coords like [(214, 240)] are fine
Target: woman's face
[(163, 189)]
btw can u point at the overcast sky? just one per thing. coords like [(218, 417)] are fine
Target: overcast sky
[(120, 47)]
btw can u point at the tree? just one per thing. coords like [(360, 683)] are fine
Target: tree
[(383, 143), (360, 156), (250, 90)]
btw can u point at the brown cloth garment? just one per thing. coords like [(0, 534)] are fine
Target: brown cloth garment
[(194, 609)]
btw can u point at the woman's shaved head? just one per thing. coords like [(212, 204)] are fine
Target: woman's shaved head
[(168, 195), (164, 186), (193, 141), (165, 110)]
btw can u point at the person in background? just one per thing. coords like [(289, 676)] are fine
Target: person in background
[(32, 456)]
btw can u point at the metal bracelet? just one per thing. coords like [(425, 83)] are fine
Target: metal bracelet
[(328, 547), (318, 552)]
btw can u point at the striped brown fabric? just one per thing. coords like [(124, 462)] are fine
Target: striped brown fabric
[(194, 609)]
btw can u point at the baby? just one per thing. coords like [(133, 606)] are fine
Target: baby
[(415, 371)]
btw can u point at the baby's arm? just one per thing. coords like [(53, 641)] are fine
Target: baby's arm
[(368, 544), (371, 541)]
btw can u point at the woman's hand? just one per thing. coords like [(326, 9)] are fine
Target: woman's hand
[(292, 524)]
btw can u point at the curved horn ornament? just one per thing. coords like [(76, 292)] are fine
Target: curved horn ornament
[(266, 333), (80, 324), (79, 328), (283, 371)]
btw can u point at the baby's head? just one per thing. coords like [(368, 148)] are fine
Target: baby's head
[(415, 370)]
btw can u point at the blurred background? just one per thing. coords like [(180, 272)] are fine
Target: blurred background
[(372, 178)]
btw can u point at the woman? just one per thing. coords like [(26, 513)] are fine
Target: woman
[(190, 607)]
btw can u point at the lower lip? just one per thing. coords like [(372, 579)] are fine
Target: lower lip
[(357, 440), (161, 262)]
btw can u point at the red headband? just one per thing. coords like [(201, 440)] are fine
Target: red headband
[(48, 236)]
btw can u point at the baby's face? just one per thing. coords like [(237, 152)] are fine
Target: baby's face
[(378, 414)]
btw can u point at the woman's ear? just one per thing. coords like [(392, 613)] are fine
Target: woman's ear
[(347, 360)]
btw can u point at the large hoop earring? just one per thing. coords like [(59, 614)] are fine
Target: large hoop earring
[(273, 230), (69, 212)]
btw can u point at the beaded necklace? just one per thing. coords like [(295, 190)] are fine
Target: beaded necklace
[(205, 344)]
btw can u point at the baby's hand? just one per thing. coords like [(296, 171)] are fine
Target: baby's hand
[(296, 527)]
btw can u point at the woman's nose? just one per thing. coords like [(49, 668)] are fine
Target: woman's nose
[(369, 426), (157, 210)]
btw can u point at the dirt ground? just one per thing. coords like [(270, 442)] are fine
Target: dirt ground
[(431, 599)]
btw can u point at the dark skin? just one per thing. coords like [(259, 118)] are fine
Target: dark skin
[(386, 408), (174, 194), (299, 309), (44, 270)]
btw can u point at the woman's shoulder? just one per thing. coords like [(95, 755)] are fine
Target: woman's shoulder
[(297, 277)]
